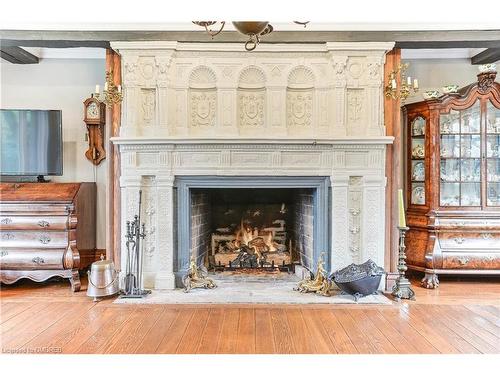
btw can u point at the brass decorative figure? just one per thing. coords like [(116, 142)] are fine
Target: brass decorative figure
[(402, 289), (319, 284), (196, 277)]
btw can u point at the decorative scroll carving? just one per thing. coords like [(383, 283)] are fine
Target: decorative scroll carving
[(148, 106), (354, 204), (251, 108), (203, 108), (485, 81), (339, 65), (374, 70), (299, 108)]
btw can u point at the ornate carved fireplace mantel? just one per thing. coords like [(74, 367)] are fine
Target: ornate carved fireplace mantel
[(286, 110)]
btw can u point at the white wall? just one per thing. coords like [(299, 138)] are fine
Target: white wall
[(433, 74), (62, 84)]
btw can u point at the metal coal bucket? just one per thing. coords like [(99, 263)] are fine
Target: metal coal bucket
[(103, 279)]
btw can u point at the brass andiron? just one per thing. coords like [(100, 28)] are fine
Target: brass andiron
[(402, 289), (196, 278), (319, 284)]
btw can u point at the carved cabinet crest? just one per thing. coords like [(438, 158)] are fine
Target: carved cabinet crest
[(251, 108), (203, 108), (299, 108)]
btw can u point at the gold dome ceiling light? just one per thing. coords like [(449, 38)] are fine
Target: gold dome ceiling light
[(253, 29)]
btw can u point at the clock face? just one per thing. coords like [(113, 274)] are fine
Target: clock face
[(93, 111)]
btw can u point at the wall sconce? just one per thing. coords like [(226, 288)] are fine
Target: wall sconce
[(407, 85), (112, 93)]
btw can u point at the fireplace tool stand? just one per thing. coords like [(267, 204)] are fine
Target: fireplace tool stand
[(133, 279), (402, 289)]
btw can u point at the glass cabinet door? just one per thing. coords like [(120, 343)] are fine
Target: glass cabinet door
[(417, 173), (460, 157), (492, 155)]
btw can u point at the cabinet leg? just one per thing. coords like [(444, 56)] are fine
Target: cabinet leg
[(430, 281), (75, 281)]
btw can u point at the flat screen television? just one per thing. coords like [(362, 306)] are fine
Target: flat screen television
[(30, 142)]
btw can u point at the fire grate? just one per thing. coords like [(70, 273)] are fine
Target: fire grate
[(251, 266)]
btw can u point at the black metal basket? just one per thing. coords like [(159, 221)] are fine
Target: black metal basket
[(359, 280)]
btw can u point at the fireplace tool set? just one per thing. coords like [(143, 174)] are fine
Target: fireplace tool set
[(133, 282)]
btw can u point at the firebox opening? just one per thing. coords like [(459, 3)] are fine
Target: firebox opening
[(241, 229)]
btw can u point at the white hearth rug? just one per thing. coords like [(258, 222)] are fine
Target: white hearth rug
[(251, 289)]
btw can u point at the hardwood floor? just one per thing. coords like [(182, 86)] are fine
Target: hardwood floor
[(462, 316)]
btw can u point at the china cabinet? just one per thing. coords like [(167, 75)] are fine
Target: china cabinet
[(453, 182)]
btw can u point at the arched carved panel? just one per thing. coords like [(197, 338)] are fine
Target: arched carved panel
[(251, 97), (299, 97), (202, 97)]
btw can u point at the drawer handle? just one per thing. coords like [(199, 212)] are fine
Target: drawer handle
[(7, 236), (44, 239), (6, 221), (38, 260), (459, 240), (43, 224), (486, 236), (4, 253), (463, 261)]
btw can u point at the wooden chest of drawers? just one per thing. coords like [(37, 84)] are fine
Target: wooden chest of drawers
[(46, 230)]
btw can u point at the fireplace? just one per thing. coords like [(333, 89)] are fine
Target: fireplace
[(258, 223), (293, 134)]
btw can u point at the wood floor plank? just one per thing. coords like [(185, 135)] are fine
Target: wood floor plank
[(31, 328), (211, 335), (399, 341), (281, 332), (372, 333), (11, 309), (439, 326), (474, 323), (20, 319), (111, 324), (73, 333), (462, 331), (246, 332), (363, 346), (336, 332), (490, 313), (173, 336), (130, 335), (427, 329), (229, 332), (157, 332), (301, 336), (399, 320), (49, 332), (264, 339), (194, 331), (321, 340)]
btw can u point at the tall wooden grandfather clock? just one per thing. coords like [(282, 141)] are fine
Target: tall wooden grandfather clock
[(95, 119)]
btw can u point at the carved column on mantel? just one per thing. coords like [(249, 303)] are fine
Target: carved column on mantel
[(340, 256), (165, 278)]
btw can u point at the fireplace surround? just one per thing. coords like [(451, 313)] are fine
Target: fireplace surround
[(208, 116), (307, 224)]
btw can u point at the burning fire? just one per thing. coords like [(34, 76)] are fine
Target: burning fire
[(245, 235)]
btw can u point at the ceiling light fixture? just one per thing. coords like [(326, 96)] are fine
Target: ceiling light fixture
[(253, 29)]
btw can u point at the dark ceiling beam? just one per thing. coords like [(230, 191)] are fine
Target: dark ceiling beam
[(17, 55), (403, 39), (488, 56)]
